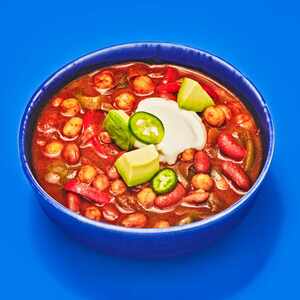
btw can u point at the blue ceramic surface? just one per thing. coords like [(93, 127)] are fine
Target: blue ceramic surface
[(148, 242)]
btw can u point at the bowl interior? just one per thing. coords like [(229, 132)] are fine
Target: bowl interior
[(156, 53)]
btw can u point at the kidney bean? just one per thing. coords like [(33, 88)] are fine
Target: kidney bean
[(196, 197), (201, 162), (236, 174), (137, 220), (71, 153), (171, 198), (110, 213), (229, 146), (73, 202)]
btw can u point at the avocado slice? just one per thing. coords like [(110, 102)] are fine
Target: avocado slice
[(116, 124), (192, 96), (138, 166)]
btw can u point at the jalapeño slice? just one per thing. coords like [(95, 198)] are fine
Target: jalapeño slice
[(164, 181), (146, 127)]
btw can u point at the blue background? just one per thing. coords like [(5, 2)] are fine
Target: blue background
[(257, 260)]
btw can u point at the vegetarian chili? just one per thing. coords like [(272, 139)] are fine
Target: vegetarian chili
[(148, 146)]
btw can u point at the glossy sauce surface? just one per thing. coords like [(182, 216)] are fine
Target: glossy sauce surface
[(63, 152)]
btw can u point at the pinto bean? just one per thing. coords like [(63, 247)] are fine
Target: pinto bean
[(230, 147), (71, 153), (202, 181), (73, 202), (171, 198), (236, 174), (137, 220), (201, 162)]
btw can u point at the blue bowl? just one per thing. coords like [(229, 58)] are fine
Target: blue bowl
[(172, 241)]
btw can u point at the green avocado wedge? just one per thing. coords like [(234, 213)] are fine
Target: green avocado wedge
[(138, 166), (116, 124), (192, 96)]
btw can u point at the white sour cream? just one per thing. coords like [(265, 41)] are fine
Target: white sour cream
[(183, 129)]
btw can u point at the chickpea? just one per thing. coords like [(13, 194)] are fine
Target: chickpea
[(125, 101), (53, 149), (187, 155), (70, 107), (93, 213), (71, 153), (101, 182), (87, 174), (72, 127), (214, 116), (52, 178), (118, 187), (56, 101), (105, 137), (73, 202), (244, 121), (146, 197), (185, 220), (112, 173), (161, 224), (138, 220), (202, 181), (143, 85), (104, 80), (226, 110)]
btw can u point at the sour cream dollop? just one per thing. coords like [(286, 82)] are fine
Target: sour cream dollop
[(183, 129)]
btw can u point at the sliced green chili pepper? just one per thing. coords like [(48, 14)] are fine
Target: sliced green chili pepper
[(146, 127), (164, 181), (249, 145)]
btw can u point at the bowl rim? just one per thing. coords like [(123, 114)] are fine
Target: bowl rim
[(145, 231)]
